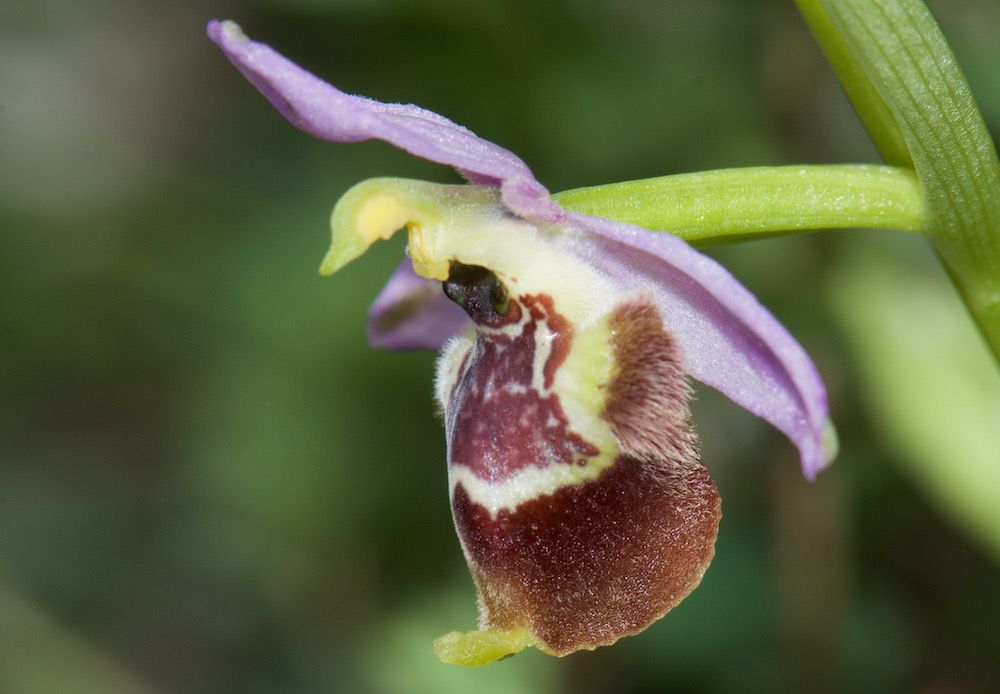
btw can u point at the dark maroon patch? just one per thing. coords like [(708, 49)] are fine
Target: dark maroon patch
[(592, 562), (542, 308), (498, 421), (603, 559)]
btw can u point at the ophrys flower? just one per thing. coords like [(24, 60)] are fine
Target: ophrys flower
[(576, 482)]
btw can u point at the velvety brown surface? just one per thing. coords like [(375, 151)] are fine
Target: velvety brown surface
[(593, 562), (603, 559), (647, 403)]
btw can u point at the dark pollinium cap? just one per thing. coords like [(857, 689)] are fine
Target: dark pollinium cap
[(479, 292)]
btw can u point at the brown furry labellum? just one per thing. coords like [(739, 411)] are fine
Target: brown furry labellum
[(584, 546)]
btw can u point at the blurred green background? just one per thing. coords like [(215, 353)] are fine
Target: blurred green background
[(209, 483)]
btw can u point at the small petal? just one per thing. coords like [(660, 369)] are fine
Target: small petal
[(324, 111), (728, 340), (411, 312)]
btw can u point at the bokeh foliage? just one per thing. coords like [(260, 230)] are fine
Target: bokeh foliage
[(208, 482)]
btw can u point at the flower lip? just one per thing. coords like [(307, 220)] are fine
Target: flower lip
[(579, 496)]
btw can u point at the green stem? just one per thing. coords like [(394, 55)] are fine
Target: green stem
[(898, 49), (714, 207)]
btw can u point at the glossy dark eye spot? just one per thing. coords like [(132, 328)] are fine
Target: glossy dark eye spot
[(481, 295)]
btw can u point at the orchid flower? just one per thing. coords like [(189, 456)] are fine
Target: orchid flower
[(576, 484)]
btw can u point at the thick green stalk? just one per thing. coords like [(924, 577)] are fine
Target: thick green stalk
[(898, 49), (713, 207)]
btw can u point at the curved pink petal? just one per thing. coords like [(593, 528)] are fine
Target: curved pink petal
[(728, 339), (412, 312), (324, 111)]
